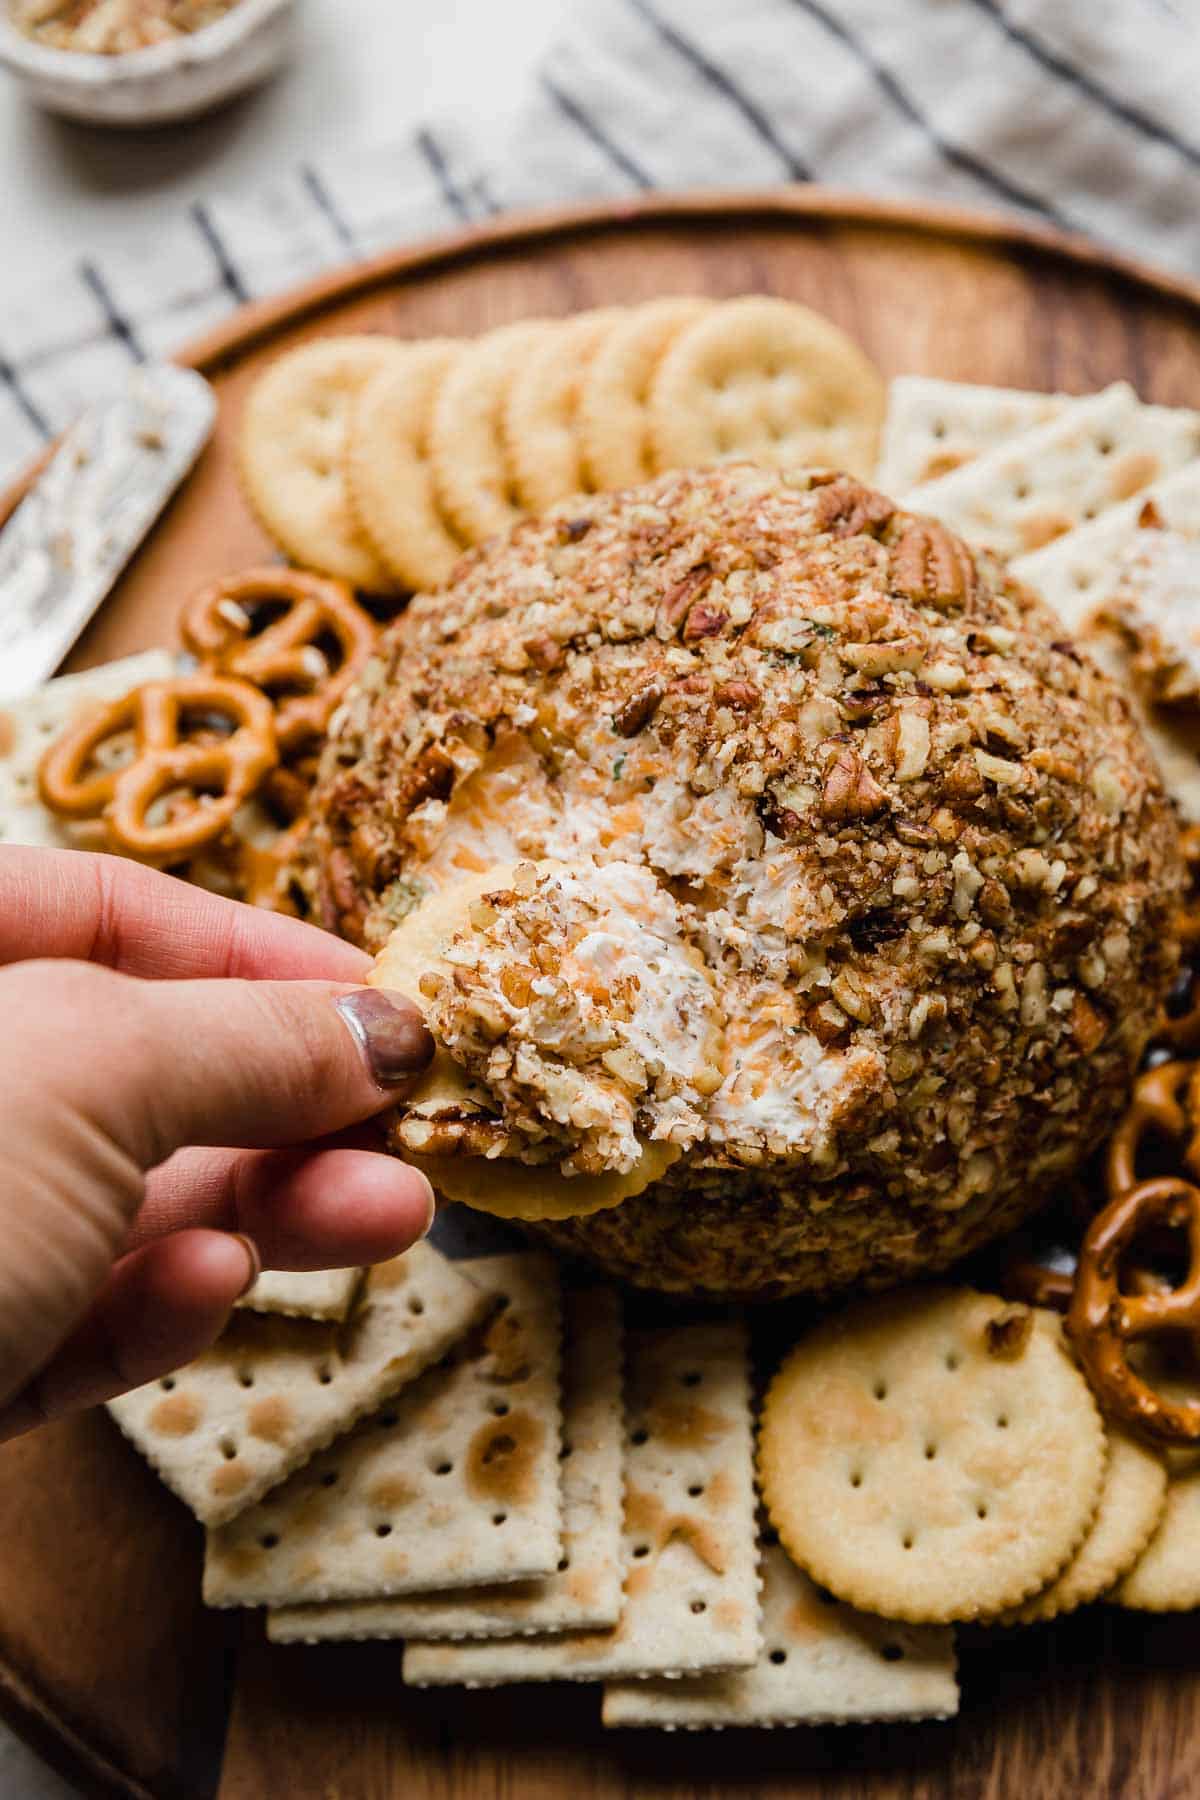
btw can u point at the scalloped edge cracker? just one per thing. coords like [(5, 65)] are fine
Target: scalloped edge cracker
[(613, 421), (304, 1293), (30, 725), (466, 434), (1079, 575), (389, 478), (822, 1663), (932, 1454), (585, 1590), (691, 1587), (506, 1189), (291, 451), (934, 427), (541, 435), (272, 1391), (1132, 1502), (1097, 453), (766, 380), (454, 1482)]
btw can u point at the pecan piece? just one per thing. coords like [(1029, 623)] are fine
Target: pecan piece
[(637, 711), (1089, 1027), (742, 696), (430, 778), (845, 506), (851, 791), (704, 621), (928, 565), (677, 600)]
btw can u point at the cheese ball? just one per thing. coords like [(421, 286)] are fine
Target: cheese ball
[(913, 833)]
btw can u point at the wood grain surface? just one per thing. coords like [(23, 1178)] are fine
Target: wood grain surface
[(106, 1655)]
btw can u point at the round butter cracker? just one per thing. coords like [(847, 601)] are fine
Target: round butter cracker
[(612, 420), (291, 454), (1166, 1578), (764, 380), (1132, 1502), (930, 1456), (507, 1189), (544, 450), (466, 437), (389, 478)]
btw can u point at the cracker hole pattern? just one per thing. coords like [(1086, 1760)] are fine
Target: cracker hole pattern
[(778, 1656), (891, 1653), (699, 1606), (167, 1384), (229, 1449)]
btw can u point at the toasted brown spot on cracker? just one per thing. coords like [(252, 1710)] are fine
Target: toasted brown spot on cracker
[(270, 1419), (176, 1415), (501, 1457)]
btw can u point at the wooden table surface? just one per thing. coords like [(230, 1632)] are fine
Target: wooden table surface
[(106, 1655)]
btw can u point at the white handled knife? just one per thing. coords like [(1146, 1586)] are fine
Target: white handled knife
[(67, 542)]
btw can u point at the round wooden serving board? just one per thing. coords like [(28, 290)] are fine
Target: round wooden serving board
[(105, 1652)]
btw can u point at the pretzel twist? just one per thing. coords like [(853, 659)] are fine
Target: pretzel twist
[(283, 658), (1104, 1321), (215, 772), (1167, 1100)]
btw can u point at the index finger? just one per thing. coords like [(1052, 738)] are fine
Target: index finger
[(102, 909)]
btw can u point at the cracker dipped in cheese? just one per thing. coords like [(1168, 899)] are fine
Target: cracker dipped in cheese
[(912, 833), (577, 1030)]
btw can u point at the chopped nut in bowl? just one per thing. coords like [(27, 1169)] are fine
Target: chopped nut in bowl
[(142, 62)]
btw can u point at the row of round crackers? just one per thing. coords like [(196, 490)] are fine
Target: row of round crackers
[(936, 1455), (381, 460)]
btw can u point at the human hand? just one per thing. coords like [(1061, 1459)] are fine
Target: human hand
[(170, 1026)]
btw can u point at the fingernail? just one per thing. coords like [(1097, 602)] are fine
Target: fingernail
[(390, 1033), (252, 1258)]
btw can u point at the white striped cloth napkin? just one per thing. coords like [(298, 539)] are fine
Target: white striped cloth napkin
[(1082, 117)]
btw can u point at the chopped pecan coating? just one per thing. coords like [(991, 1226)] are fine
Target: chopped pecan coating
[(917, 838)]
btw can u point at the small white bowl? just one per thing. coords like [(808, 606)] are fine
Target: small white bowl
[(166, 82)]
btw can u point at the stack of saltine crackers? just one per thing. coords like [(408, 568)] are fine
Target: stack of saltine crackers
[(1096, 502), (485, 1462)]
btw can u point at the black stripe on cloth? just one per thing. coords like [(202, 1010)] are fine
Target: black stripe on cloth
[(232, 282), (435, 156), (1055, 64), (718, 80), (588, 128), (483, 193), (328, 208), (959, 158), (118, 325), (10, 379)]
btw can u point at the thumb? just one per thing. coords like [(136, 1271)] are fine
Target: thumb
[(103, 1076), (160, 1064)]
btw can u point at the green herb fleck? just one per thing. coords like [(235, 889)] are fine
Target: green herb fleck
[(617, 767)]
